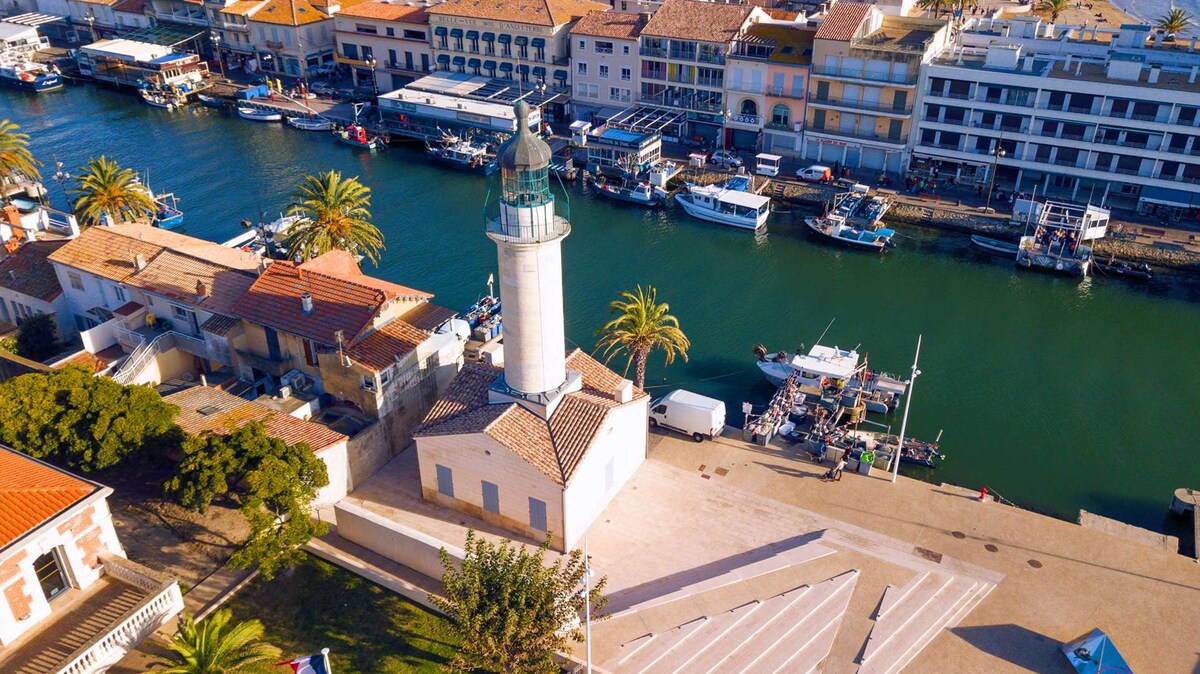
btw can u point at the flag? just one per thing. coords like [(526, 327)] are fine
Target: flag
[(309, 664)]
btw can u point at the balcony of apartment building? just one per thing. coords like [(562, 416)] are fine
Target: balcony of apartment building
[(896, 140), (89, 630), (852, 105), (864, 75), (787, 92), (273, 45)]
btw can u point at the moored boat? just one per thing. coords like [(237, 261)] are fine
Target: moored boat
[(834, 374), (309, 124), (724, 206), (462, 154), (357, 135), (630, 191), (259, 114), (264, 238), (1123, 269), (210, 101), (875, 209), (29, 76), (995, 246), (167, 215), (835, 229), (159, 99)]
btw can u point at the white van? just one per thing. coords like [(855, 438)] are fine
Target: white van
[(689, 413), (815, 174)]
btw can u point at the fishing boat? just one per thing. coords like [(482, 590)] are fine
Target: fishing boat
[(259, 114), (716, 203), (167, 215), (20, 73), (629, 190), (739, 183), (462, 154), (836, 229), (915, 451), (159, 99), (1055, 242), (838, 375), (874, 210), (310, 124), (357, 136), (264, 238), (1123, 269), (210, 101), (995, 246), (848, 203)]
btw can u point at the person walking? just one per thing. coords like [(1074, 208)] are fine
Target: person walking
[(837, 470)]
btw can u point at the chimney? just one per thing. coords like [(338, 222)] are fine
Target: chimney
[(306, 304), (623, 393), (139, 261), (12, 216), (201, 289), (1152, 78)]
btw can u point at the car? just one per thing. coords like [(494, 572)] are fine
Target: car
[(690, 414), (725, 159), (815, 174)]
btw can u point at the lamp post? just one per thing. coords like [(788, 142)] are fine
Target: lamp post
[(61, 177), (724, 126), (91, 19), (216, 40), (371, 63), (996, 155)]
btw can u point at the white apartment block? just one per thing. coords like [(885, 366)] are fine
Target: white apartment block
[(606, 64)]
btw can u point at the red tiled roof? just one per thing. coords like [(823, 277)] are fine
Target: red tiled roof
[(842, 21), (616, 25), (32, 492), (388, 11), (380, 348), (698, 20), (193, 280), (227, 412), (535, 12), (28, 271), (109, 252), (342, 263)]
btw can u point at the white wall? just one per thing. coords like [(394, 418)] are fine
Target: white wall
[(615, 62), (338, 466), (393, 540), (623, 441)]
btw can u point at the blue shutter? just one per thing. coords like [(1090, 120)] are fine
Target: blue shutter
[(537, 514), (491, 497), (445, 480)]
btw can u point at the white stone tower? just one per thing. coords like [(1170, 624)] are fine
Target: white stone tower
[(528, 236)]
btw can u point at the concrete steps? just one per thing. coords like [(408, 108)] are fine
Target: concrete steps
[(790, 632), (76, 629), (909, 618)]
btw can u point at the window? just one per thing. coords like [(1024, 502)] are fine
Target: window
[(367, 28), (582, 45), (75, 279), (781, 115), (603, 71), (625, 49), (614, 94), (119, 293), (604, 47), (818, 119), (626, 74), (414, 34), (491, 497), (749, 107), (580, 68), (350, 51), (50, 574), (445, 481), (391, 32), (310, 352), (537, 514)]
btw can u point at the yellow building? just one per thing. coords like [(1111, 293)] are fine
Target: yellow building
[(864, 84), (390, 39), (283, 37)]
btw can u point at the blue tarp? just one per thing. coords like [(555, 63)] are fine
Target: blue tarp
[(261, 90), (1095, 653)]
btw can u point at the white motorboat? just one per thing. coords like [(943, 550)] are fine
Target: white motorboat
[(724, 206), (158, 99), (264, 238), (310, 124), (832, 371), (836, 229), (259, 114)]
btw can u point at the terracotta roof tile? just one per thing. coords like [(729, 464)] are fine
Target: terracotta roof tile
[(129, 308), (289, 13), (28, 271), (193, 280), (380, 348), (341, 263), (842, 21), (428, 316), (109, 252), (32, 492), (535, 12), (242, 7), (698, 20), (616, 25), (388, 11), (227, 412), (468, 390)]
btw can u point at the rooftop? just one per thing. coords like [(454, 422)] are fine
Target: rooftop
[(698, 20), (33, 492), (615, 25), (381, 348), (555, 447), (536, 12), (388, 11), (902, 33), (792, 44), (28, 271), (202, 408), (843, 21)]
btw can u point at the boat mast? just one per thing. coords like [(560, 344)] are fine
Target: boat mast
[(904, 422)]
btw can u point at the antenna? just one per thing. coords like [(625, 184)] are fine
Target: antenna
[(826, 330)]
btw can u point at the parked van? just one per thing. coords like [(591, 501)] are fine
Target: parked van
[(689, 413), (815, 174)]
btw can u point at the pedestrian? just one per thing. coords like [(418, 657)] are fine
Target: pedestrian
[(837, 470)]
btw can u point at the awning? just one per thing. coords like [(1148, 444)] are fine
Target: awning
[(522, 39), (488, 37), (539, 71), (506, 66), (440, 30), (538, 42), (472, 35), (456, 32), (489, 65), (443, 58), (460, 60), (523, 69), (560, 74), (1094, 653), (474, 63), (505, 38)]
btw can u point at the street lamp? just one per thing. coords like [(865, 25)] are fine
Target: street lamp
[(996, 154), (216, 40), (371, 62), (61, 177), (724, 124), (91, 19)]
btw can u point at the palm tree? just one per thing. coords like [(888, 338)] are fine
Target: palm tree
[(15, 158), (641, 326), (333, 215), (107, 189), (211, 648), (1174, 21), (934, 6), (1054, 8)]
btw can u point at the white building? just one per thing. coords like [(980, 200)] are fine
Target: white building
[(541, 445), (29, 286), (606, 63), (1084, 114), (390, 37)]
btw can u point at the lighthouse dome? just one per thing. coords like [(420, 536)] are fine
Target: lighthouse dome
[(523, 151)]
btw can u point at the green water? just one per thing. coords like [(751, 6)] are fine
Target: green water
[(1057, 395)]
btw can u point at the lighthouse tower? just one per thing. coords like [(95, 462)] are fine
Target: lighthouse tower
[(528, 236)]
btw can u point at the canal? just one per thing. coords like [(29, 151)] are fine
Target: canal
[(1059, 395)]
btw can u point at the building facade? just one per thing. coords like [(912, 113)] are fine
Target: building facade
[(768, 76), (605, 63), (385, 44), (29, 286), (281, 37), (863, 86), (1084, 114)]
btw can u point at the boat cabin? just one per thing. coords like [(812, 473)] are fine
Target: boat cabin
[(751, 209), (1055, 240), (767, 164), (830, 364), (21, 41)]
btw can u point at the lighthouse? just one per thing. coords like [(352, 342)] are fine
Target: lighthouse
[(529, 235)]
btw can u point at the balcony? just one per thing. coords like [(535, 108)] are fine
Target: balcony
[(657, 52), (346, 60), (273, 45), (857, 135), (277, 366), (681, 55), (833, 102), (780, 92), (743, 88), (89, 629), (856, 74), (711, 82), (745, 120), (718, 59)]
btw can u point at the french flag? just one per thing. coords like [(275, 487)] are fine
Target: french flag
[(309, 664)]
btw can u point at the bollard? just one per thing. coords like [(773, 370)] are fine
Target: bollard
[(983, 497)]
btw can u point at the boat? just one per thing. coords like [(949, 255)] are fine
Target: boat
[(995, 246), (462, 154), (835, 228), (263, 238), (310, 124), (716, 203), (357, 136), (629, 190), (874, 210), (1056, 241), (26, 75), (167, 215), (847, 203), (1121, 268), (210, 101), (259, 114), (739, 183), (159, 99), (835, 375), (915, 452)]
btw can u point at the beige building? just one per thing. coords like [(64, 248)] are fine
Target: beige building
[(391, 39), (864, 85), (526, 41), (766, 83), (606, 64), (282, 37)]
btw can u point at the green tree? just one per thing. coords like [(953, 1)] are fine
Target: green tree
[(107, 189), (333, 215), (1054, 8), (1174, 21), (275, 484), (37, 338), (641, 326), (215, 647), (15, 158), (933, 6), (82, 421), (513, 610)]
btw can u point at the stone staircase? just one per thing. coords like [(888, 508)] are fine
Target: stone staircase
[(911, 616), (791, 632), (75, 629)]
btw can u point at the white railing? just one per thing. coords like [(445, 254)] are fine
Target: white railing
[(163, 602)]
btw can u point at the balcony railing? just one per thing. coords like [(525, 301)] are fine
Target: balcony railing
[(271, 44), (718, 59), (751, 120), (782, 92), (861, 105), (681, 55), (713, 82), (271, 365), (857, 74), (659, 52), (860, 136), (743, 88)]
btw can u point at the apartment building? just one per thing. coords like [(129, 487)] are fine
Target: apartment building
[(386, 44), (92, 20), (864, 85), (768, 74), (526, 41), (606, 64), (29, 286), (282, 37), (1086, 114), (683, 50)]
